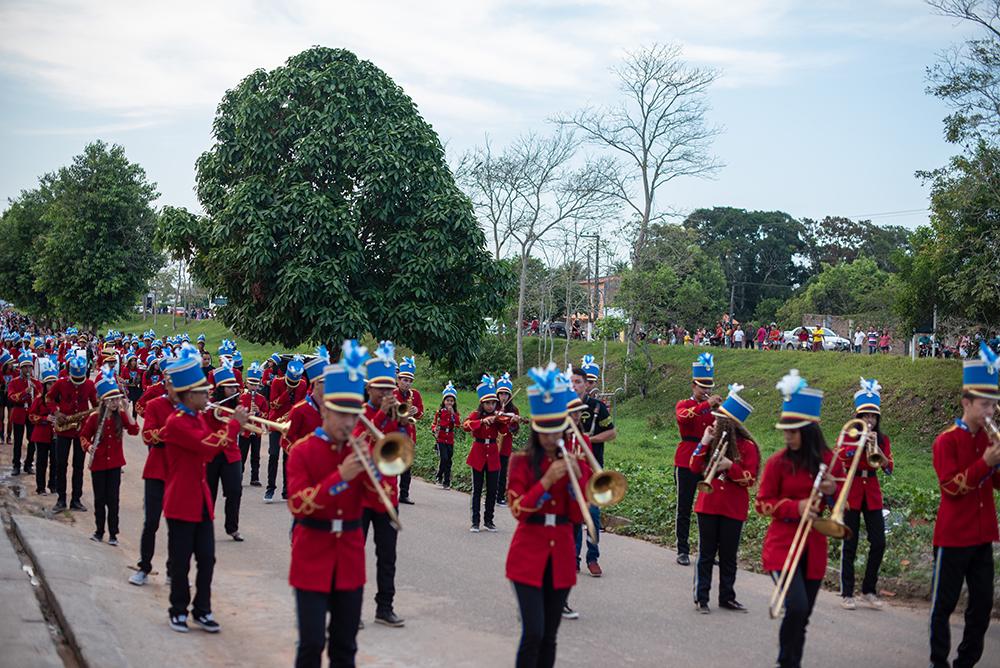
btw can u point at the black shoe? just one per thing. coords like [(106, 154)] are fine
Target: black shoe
[(389, 619), (269, 496), (406, 500), (703, 608), (28, 470), (501, 502), (179, 623), (59, 507), (237, 536), (113, 541), (207, 623), (683, 560), (76, 505), (255, 483), (361, 624), (490, 527), (447, 485), (734, 605), (284, 495), (15, 472), (97, 538)]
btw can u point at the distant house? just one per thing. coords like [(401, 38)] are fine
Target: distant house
[(606, 289)]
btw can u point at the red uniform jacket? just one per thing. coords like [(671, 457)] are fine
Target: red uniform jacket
[(259, 402), (70, 398), (967, 514), (781, 489), (692, 420), (190, 444), (444, 425), (155, 417), (389, 483), (485, 450), (316, 491), (150, 393), (418, 403), (730, 495), (302, 422), (534, 544), (507, 438), (865, 486), (110, 453), (20, 398), (282, 400), (38, 415), (220, 427), (151, 379)]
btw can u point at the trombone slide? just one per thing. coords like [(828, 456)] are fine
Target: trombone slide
[(575, 486), (796, 549)]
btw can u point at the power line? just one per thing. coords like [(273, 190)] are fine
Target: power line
[(890, 214)]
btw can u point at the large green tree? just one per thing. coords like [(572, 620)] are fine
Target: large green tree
[(846, 288), (332, 213), (837, 239), (23, 228)]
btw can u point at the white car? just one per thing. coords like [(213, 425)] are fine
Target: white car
[(830, 339)]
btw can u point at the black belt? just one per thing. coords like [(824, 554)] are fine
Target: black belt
[(691, 439), (867, 474), (446, 430), (158, 445), (486, 441), (548, 519), (329, 526)]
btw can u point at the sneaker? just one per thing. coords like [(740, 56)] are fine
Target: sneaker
[(847, 603), (361, 624), (97, 538), (683, 560), (28, 470), (15, 472), (237, 536), (139, 578), (284, 495), (207, 622), (501, 502), (269, 496), (113, 541), (569, 613), (76, 505), (872, 601), (179, 623), (474, 528), (734, 605), (406, 501), (41, 492), (595, 569), (167, 580), (59, 507), (491, 527), (703, 608), (446, 486), (255, 483), (388, 619)]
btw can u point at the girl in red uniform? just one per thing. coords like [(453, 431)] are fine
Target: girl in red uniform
[(484, 456), (443, 428), (102, 433), (722, 512), (41, 429), (541, 559), (783, 496), (505, 392)]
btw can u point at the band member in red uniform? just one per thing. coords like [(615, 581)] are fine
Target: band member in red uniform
[(6, 376), (21, 393), (576, 407), (255, 402), (187, 501), (133, 380), (484, 455), (226, 467), (305, 416), (693, 417), (406, 394), (505, 391), (540, 562), (286, 391), (864, 498), (967, 463), (326, 492), (723, 510), (101, 435), (41, 430), (71, 395), (783, 496), (154, 474), (446, 420)]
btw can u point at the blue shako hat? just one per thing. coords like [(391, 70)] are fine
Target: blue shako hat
[(980, 377), (504, 383), (294, 371), (76, 360), (47, 369), (224, 374), (591, 371), (407, 368), (5, 356), (869, 398), (548, 398), (344, 382), (25, 358), (106, 385), (315, 367), (276, 358), (450, 391), (254, 373), (186, 374), (487, 389), (227, 348), (237, 359), (201, 338), (382, 369), (703, 370), (735, 406), (802, 404)]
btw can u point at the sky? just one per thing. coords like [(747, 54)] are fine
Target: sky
[(822, 103)]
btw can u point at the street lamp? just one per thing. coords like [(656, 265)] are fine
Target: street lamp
[(597, 277)]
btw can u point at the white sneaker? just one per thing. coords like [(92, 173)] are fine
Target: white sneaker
[(474, 528), (847, 603), (167, 580), (872, 601), (138, 578), (569, 613)]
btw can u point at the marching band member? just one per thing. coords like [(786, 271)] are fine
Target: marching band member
[(254, 401), (484, 455), (305, 416), (286, 391), (966, 459), (187, 501), (133, 381), (575, 408), (864, 498), (21, 393), (102, 433), (6, 376), (41, 431), (722, 512), (71, 395), (540, 558), (326, 493), (443, 427), (694, 415), (226, 467), (406, 394), (783, 496), (505, 391)]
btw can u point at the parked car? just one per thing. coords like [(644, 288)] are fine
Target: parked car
[(556, 329), (830, 339)]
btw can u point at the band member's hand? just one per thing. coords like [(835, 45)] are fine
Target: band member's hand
[(241, 416), (58, 415), (992, 454), (556, 471), (725, 463), (51, 419), (489, 419), (709, 434), (828, 486), (387, 403), (804, 508), (714, 401), (350, 467)]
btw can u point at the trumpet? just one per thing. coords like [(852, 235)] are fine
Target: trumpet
[(833, 526), (259, 425), (876, 458), (575, 486), (392, 455), (705, 486), (604, 488), (795, 550), (993, 430)]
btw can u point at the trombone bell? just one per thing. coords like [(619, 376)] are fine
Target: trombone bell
[(606, 488), (393, 454), (833, 527)]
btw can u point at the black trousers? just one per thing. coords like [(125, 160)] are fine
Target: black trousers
[(63, 446), (183, 540), (404, 484), (502, 478), (799, 604), (446, 453), (153, 508), (250, 445), (344, 610), (477, 494), (231, 476), (20, 430), (107, 485), (541, 612), (952, 566), (385, 557), (273, 448), (687, 485), (717, 535), (42, 467), (875, 528)]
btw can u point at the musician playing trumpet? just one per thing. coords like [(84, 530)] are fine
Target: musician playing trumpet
[(411, 407), (71, 395), (227, 466), (729, 459)]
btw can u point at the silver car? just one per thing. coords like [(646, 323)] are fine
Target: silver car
[(830, 339)]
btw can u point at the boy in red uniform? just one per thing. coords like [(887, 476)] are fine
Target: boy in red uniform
[(286, 391), (71, 395), (966, 459), (446, 420), (226, 468), (405, 393), (305, 417), (255, 402), (41, 430), (21, 393)]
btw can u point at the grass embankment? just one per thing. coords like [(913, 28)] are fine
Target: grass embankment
[(919, 399)]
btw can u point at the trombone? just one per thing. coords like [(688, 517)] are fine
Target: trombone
[(705, 485), (605, 488), (575, 486), (391, 455), (833, 526), (255, 423)]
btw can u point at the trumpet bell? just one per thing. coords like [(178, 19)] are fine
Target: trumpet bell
[(705, 487), (832, 528), (393, 454), (876, 460), (606, 488)]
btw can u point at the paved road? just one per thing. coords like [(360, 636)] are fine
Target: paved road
[(459, 608)]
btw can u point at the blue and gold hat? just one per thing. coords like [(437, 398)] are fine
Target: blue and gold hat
[(294, 371), (504, 384), (76, 361), (487, 389), (703, 370), (186, 374), (407, 368), (548, 398), (227, 348), (48, 370), (106, 385), (591, 371), (316, 366), (5, 357), (237, 359), (735, 406), (344, 382), (449, 391), (869, 398), (382, 369), (980, 377), (201, 338), (255, 373), (276, 358), (802, 404), (25, 358), (224, 375)]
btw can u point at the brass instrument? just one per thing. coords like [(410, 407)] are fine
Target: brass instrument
[(575, 485), (403, 412), (73, 421), (604, 488), (796, 549), (392, 455), (833, 526), (705, 486), (876, 458), (259, 426), (993, 430)]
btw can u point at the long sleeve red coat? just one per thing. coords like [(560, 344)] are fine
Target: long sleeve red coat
[(70, 398), (444, 426), (390, 484), (303, 420), (110, 453), (158, 410), (38, 415), (21, 394), (967, 514), (485, 451), (190, 444), (418, 403), (730, 495), (693, 418), (866, 484)]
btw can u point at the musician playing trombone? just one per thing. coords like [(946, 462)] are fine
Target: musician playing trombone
[(227, 466), (787, 492), (71, 395), (966, 459), (728, 458)]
